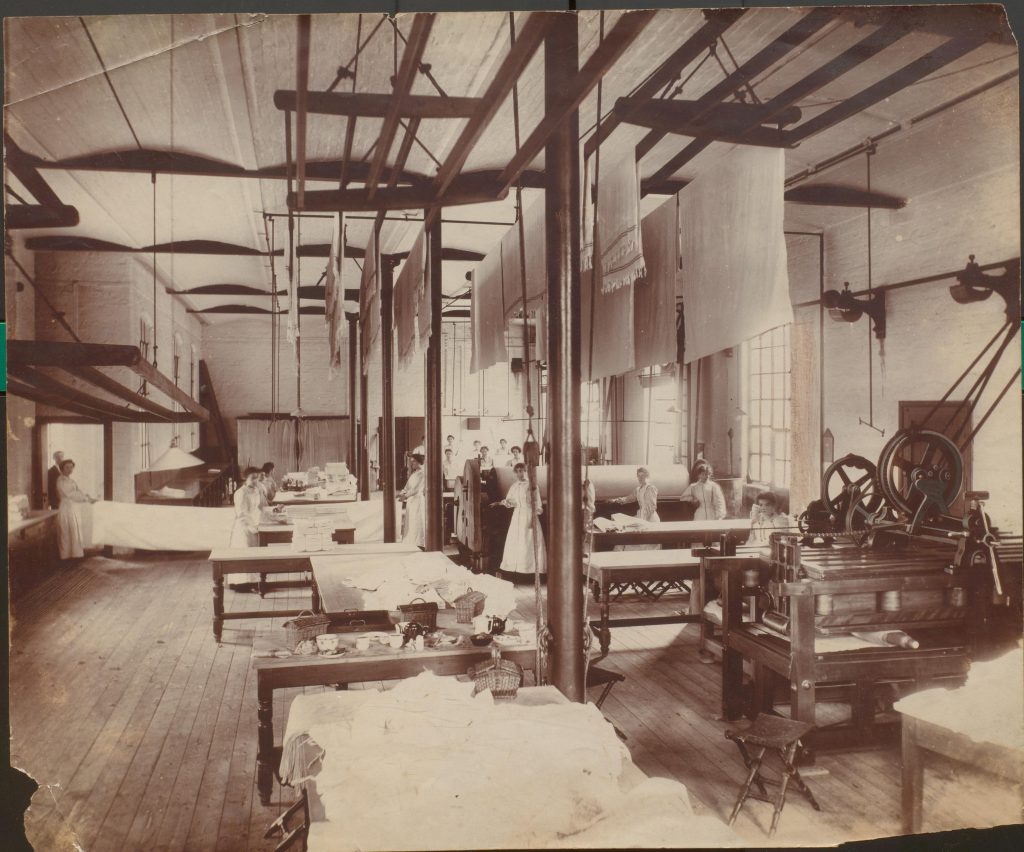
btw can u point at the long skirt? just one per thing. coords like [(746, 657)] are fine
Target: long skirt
[(521, 556), (69, 531), (414, 521)]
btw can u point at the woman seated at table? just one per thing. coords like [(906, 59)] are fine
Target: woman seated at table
[(524, 544), (765, 518), (449, 470), (645, 495), (250, 501), (69, 521), (412, 494), (706, 493)]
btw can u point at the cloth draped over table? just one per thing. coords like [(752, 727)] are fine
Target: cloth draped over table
[(408, 293), (369, 300), (735, 282), (334, 294), (487, 314), (654, 295)]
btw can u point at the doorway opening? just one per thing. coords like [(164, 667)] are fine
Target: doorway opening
[(81, 442)]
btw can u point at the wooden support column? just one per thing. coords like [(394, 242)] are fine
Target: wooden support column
[(353, 378), (433, 481), (562, 226), (387, 406), (364, 431)]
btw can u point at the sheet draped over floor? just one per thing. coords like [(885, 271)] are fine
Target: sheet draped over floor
[(184, 528), (427, 766), (734, 279)]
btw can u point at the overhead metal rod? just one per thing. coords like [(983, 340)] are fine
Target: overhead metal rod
[(605, 55), (717, 21), (422, 23), (304, 25)]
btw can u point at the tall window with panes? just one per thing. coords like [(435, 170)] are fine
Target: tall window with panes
[(666, 437), (769, 404)]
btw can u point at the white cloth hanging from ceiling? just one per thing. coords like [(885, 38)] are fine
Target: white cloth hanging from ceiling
[(618, 225), (654, 295), (334, 310), (261, 440), (369, 300), (424, 306), (487, 314), (535, 244), (408, 288), (735, 284), (611, 345)]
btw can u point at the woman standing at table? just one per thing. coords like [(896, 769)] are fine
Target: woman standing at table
[(706, 493), (250, 500), (69, 520), (524, 544), (646, 496), (412, 494)]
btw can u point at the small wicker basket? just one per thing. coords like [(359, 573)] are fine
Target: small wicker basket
[(305, 626), (501, 677), (468, 606), (422, 613)]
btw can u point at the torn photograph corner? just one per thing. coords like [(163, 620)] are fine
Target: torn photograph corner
[(511, 430)]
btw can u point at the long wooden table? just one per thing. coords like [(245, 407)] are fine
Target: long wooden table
[(674, 534), (650, 572), (270, 533), (276, 559), (301, 498), (376, 664)]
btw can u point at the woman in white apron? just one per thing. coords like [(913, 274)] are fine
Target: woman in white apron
[(524, 552), (645, 496), (69, 521), (250, 500), (706, 493), (412, 494)]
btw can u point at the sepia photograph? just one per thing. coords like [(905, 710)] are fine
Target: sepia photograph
[(531, 428)]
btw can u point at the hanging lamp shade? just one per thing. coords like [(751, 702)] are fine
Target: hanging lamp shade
[(175, 458)]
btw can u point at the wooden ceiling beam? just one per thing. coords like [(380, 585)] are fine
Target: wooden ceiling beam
[(820, 195), (48, 384), (21, 216), (24, 168), (357, 253), (716, 22), (938, 58), (26, 391), (512, 66), (112, 386), (412, 56), (398, 198), (605, 55), (303, 25), (206, 247), (365, 105), (46, 353), (807, 26)]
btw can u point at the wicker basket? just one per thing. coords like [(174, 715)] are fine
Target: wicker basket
[(501, 677), (305, 626), (468, 606), (422, 613)]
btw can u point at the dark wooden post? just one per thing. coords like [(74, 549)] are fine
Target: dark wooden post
[(364, 441), (353, 377), (434, 532), (562, 226), (387, 405)]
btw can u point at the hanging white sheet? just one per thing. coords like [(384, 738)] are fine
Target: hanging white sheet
[(408, 289), (369, 301), (734, 279), (487, 315), (654, 295), (334, 313), (535, 244), (618, 225)]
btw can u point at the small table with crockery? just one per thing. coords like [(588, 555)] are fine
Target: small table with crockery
[(379, 662)]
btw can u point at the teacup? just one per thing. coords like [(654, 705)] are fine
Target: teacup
[(327, 642), (395, 641), (481, 624), (363, 643)]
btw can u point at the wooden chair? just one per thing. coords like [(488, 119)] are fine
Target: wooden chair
[(291, 836), (605, 678), (779, 735)]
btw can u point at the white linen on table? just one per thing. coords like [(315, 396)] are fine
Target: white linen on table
[(989, 707), (427, 766), (147, 527), (388, 580)]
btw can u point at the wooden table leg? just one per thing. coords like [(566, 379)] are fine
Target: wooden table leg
[(732, 660), (265, 742), (912, 787), (606, 632), (314, 594), (262, 586), (218, 602)]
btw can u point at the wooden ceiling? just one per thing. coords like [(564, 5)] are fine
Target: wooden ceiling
[(193, 97)]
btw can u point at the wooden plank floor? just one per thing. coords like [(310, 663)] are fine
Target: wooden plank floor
[(141, 730)]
